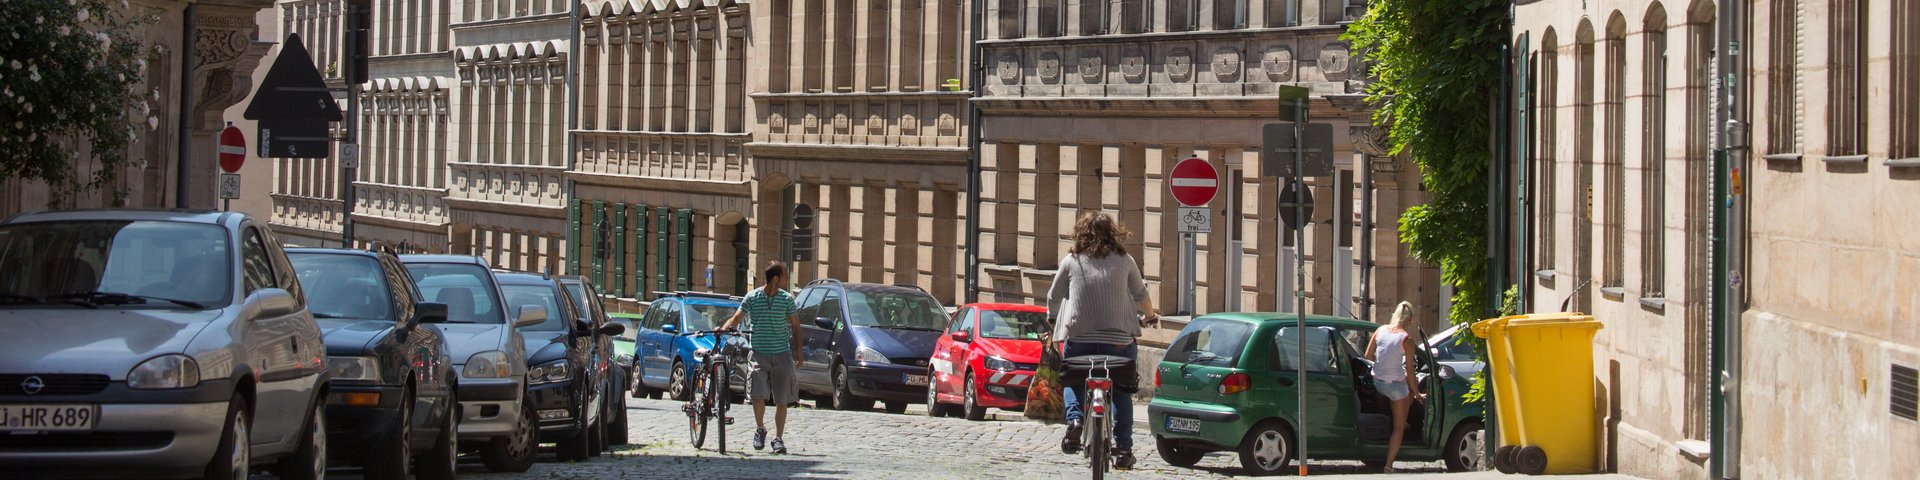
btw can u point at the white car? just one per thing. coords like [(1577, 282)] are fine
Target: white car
[(1456, 355)]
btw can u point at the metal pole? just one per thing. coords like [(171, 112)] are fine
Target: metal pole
[(1300, 277), (573, 123), (348, 170), (1723, 386), (1187, 273), (975, 75), (182, 177)]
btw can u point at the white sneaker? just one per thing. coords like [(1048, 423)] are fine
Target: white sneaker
[(760, 438)]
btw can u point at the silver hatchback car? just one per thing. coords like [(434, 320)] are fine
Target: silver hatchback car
[(155, 344)]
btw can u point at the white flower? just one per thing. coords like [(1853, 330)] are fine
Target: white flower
[(82, 15), (16, 63), (29, 107), (64, 30), (35, 76), (153, 123), (19, 125), (33, 136)]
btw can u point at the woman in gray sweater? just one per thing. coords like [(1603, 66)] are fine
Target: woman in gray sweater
[(1100, 302)]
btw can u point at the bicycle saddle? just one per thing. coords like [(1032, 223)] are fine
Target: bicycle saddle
[(1090, 362)]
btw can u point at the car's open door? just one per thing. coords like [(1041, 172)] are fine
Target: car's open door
[(1434, 432)]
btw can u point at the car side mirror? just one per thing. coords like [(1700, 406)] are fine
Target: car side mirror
[(611, 329), (961, 336), (1447, 372), (530, 315), (430, 312), (271, 302), (823, 322), (670, 329)]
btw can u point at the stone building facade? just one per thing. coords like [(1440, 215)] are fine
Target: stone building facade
[(1087, 106), (204, 74), (850, 117), (1621, 157)]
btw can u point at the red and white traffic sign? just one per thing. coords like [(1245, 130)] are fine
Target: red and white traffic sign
[(233, 149), (1194, 182)]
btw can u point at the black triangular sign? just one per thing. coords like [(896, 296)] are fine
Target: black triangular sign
[(293, 89)]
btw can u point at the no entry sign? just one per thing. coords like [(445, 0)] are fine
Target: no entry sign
[(1194, 182), (233, 149)]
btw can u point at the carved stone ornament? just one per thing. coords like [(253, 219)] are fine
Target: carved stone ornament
[(909, 124), (1092, 66), (1009, 67), (1370, 140), (1049, 67), (1133, 65), (841, 123), (1180, 64), (777, 122), (1226, 63), (1278, 63), (1335, 61)]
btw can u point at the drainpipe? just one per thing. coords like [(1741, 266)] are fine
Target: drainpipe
[(1729, 144), (573, 119), (183, 176), (971, 64)]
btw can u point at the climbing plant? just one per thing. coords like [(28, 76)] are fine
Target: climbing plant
[(70, 76), (1436, 66)]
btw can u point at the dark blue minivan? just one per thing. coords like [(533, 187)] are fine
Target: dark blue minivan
[(867, 342)]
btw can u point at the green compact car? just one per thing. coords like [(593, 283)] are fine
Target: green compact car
[(1228, 384), (623, 344)]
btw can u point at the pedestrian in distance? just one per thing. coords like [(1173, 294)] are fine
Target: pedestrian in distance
[(1392, 358), (1101, 303), (776, 353)]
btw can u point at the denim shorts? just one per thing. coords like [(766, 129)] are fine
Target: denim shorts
[(1394, 390)]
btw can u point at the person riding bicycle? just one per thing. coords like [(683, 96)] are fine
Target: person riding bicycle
[(776, 353), (1096, 295)]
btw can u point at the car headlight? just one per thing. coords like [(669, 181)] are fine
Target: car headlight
[(354, 368), (165, 371), (488, 364), (999, 364), (868, 355), (550, 373)]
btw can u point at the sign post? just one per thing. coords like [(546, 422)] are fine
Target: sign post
[(233, 155), (1293, 107), (1193, 182)]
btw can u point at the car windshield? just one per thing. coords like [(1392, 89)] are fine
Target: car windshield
[(1012, 325), (704, 316), (465, 288), (632, 328), (1210, 342), (890, 309), (186, 262), (538, 295), (343, 286)]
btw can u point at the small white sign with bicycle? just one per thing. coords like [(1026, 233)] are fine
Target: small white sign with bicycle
[(1195, 220)]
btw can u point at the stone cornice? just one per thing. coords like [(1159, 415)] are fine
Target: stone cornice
[(1214, 107), (540, 211), (836, 96), (367, 219), (1136, 38), (681, 185), (860, 153)]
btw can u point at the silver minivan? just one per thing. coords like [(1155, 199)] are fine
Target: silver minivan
[(156, 344)]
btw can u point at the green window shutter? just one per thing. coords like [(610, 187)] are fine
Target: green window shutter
[(573, 237), (683, 249), (638, 281), (660, 248), (598, 211), (618, 285)]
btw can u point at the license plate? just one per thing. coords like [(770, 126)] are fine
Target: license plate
[(1183, 425), (47, 418), (911, 380)]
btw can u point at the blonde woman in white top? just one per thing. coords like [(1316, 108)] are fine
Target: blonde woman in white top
[(1392, 356)]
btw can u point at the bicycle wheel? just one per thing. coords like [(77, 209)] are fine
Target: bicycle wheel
[(701, 411), (721, 403)]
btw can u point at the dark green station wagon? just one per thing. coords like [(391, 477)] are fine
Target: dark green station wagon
[(1228, 384)]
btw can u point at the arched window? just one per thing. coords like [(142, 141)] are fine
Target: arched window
[(1614, 240), (1847, 80), (1905, 91), (1545, 154), (1653, 158), (1783, 96), (1699, 61), (1584, 101)]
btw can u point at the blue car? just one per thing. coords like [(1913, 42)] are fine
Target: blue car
[(663, 351)]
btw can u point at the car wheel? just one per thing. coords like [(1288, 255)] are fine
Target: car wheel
[(230, 459), (972, 407), (677, 382), (1466, 448), (843, 398), (896, 408), (934, 408), (575, 448), (443, 463), (640, 388), (514, 453), (1530, 460), (597, 437), (1267, 449), (392, 456), (1177, 455), (309, 461), (617, 430)]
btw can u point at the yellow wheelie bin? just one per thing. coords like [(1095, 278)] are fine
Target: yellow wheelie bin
[(1541, 366)]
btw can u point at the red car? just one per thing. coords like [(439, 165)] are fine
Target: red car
[(985, 359)]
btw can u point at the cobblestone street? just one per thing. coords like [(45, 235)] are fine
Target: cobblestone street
[(833, 444)]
